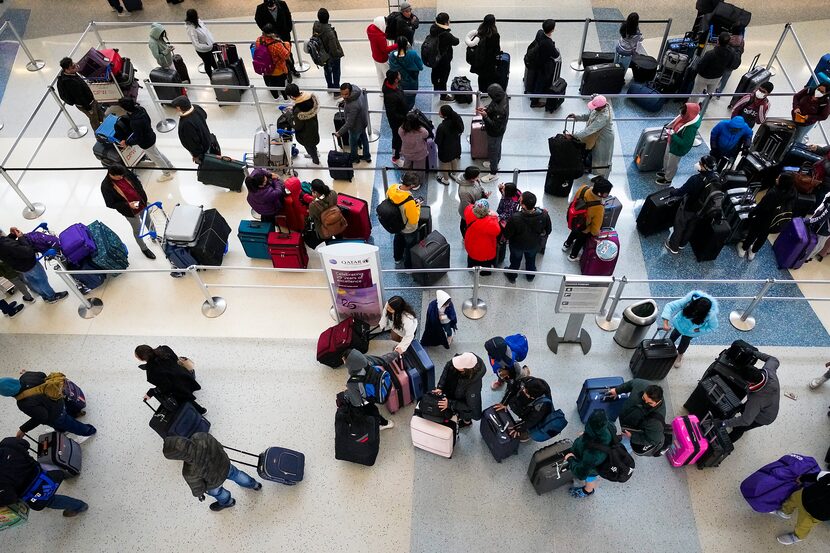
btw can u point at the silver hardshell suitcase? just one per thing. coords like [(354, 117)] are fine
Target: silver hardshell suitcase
[(183, 224)]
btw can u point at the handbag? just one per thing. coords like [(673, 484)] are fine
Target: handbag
[(428, 408), (805, 181)]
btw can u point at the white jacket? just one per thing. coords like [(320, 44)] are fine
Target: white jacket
[(410, 326), (472, 39), (200, 37)]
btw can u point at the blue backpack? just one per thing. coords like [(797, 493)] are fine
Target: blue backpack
[(518, 345), (376, 385), (553, 424), (40, 492)]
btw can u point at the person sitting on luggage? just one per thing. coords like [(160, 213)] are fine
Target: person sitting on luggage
[(18, 471), (503, 362), (441, 322), (762, 403), (266, 194), (304, 120), (494, 117), (694, 193), (469, 192), (448, 140), (194, 133), (324, 198), (357, 364), (279, 50), (407, 62), (729, 137), (399, 318), (205, 468), (169, 374), (404, 241), (812, 502), (482, 236), (598, 134), (713, 65), (542, 72), (73, 89), (41, 398), (583, 460), (520, 397), (681, 132), (643, 415), (691, 316), (17, 252), (776, 206), (753, 107), (123, 192), (414, 148), (629, 41), (460, 382), (525, 232), (811, 105), (591, 224), (160, 46), (144, 137)]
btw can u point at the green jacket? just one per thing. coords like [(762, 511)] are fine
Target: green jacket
[(681, 141), (585, 461), (206, 465), (159, 46), (635, 415)]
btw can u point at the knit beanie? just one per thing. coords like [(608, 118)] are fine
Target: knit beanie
[(9, 387), (481, 208), (465, 360)]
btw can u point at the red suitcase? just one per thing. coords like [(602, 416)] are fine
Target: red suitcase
[(348, 334), (287, 250), (599, 257), (356, 212)]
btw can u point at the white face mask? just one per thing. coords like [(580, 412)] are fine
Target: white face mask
[(699, 167), (819, 93), (760, 95)]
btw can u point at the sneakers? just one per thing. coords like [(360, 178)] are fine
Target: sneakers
[(148, 254), (257, 487), (69, 514), (464, 424), (788, 539), (579, 493), (398, 162), (662, 181), (443, 180), (679, 361), (661, 175), (573, 258), (816, 382), (782, 514), (750, 255), (390, 424), (741, 251), (216, 507), (28, 299), (457, 177), (496, 385), (488, 178), (82, 439), (417, 187), (58, 296), (485, 164), (165, 177), (566, 246), (668, 247)]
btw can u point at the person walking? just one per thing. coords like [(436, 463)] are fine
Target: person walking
[(304, 119), (160, 46), (583, 460), (194, 133), (394, 103), (201, 39), (205, 468), (524, 232), (469, 192), (143, 136), (277, 13), (494, 117), (74, 91), (122, 191), (400, 320), (589, 198), (542, 71), (401, 195), (728, 138), (448, 140), (356, 110), (713, 65), (682, 132), (691, 316), (445, 42), (266, 194), (483, 48), (763, 401), (460, 382), (414, 148), (811, 105), (406, 61), (813, 503), (481, 238), (172, 376), (331, 44), (279, 50), (694, 194), (753, 107), (629, 41), (381, 48), (18, 253), (598, 134), (775, 207)]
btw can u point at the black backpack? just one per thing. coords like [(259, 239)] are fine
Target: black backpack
[(532, 55), (390, 216), (392, 26), (618, 465), (430, 51), (710, 200)]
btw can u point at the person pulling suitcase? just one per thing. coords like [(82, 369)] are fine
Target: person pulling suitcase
[(171, 376), (691, 316)]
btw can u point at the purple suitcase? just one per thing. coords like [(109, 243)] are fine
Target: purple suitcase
[(599, 257), (794, 244), (77, 244), (43, 241), (767, 488)]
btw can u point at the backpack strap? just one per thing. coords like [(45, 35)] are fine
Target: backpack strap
[(33, 391)]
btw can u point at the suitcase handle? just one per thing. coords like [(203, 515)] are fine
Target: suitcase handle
[(663, 330), (334, 141), (754, 61), (573, 120)]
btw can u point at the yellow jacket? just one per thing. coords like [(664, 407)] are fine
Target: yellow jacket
[(411, 211)]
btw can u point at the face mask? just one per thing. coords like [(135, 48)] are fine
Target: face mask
[(819, 94), (699, 167), (760, 95)]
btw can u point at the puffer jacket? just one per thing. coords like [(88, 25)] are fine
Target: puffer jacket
[(409, 66), (465, 400), (394, 102), (485, 53), (206, 465), (17, 253), (410, 211), (306, 125), (524, 229), (159, 47), (448, 138), (673, 312), (40, 408), (356, 110), (761, 406), (377, 40), (268, 199), (414, 144), (728, 136), (481, 235), (586, 459)]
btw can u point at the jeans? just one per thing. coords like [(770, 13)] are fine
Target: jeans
[(210, 63), (223, 496), (516, 256), (494, 152), (359, 139), (670, 163), (684, 341), (38, 281), (724, 80), (804, 521), (65, 423), (440, 75), (576, 241), (623, 60), (135, 223), (332, 73), (66, 503), (159, 159), (801, 132), (401, 246)]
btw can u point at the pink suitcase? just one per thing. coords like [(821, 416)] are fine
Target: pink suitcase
[(599, 257), (399, 377), (688, 445), (478, 140), (432, 436)]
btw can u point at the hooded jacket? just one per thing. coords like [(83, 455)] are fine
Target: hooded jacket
[(448, 138), (17, 469), (586, 459), (206, 465), (141, 128), (356, 363), (543, 71), (116, 201), (497, 111), (282, 23), (394, 102), (728, 137), (446, 41), (159, 47), (356, 110), (815, 109), (465, 397), (329, 39), (306, 125), (682, 140), (752, 109), (434, 334), (39, 408), (17, 253), (194, 133), (774, 201), (648, 422), (816, 496), (481, 235), (673, 312), (377, 40), (525, 228), (761, 406), (409, 66), (411, 211), (169, 378), (74, 91), (200, 37)]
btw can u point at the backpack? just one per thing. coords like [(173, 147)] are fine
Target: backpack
[(392, 26), (430, 51), (314, 48), (577, 214), (332, 222), (390, 216), (52, 388), (425, 121), (518, 346), (375, 384), (711, 201), (263, 62), (553, 424), (618, 465), (532, 55)]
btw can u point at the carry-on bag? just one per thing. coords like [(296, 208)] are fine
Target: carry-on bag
[(356, 436), (433, 252), (767, 488), (658, 212), (348, 334), (613, 208), (653, 358), (56, 449), (458, 86), (40, 492), (340, 164), (212, 241), (287, 249), (720, 446), (493, 426), (417, 357), (429, 409), (559, 86), (435, 437), (713, 395), (652, 104), (793, 245), (356, 212), (73, 398), (106, 154), (503, 69), (172, 419), (223, 78), (751, 80), (774, 138), (111, 251), (478, 140), (595, 58), (600, 254), (732, 375), (594, 395), (181, 68), (222, 171), (643, 67), (688, 445), (651, 149), (402, 395), (77, 244), (276, 464), (253, 235), (183, 224), (709, 238), (166, 76), (605, 78), (93, 64), (548, 469)]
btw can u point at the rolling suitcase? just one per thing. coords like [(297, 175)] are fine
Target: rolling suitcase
[(731, 376), (287, 250), (600, 254), (276, 464), (652, 104), (348, 334), (416, 382), (794, 244), (547, 469), (653, 358), (478, 140), (559, 86), (688, 444), (686, 45), (493, 427), (178, 256), (417, 357), (184, 224), (93, 64), (595, 58), (433, 252), (435, 437), (226, 77), (356, 212), (171, 419), (799, 155), (167, 76), (460, 85), (77, 244), (133, 5), (88, 281), (59, 450), (503, 69), (106, 154), (593, 396), (643, 68), (400, 380), (340, 164), (222, 171), (212, 241), (751, 80), (356, 436), (709, 238), (556, 185), (613, 208), (107, 131), (253, 235), (424, 222), (339, 120), (720, 446), (774, 138), (651, 149), (713, 395), (181, 68), (605, 78)]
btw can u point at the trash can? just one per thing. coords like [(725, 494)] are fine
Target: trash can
[(635, 322)]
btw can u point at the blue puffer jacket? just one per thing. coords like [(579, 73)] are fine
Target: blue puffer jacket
[(728, 136), (673, 312)]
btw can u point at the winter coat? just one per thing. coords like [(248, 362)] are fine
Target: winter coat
[(283, 22), (116, 201), (194, 133), (528, 413), (486, 51), (601, 123), (17, 469), (692, 190), (716, 62), (403, 26), (682, 140), (141, 127), (267, 200), (356, 110), (508, 206), (728, 137), (414, 144), (497, 111), (169, 378), (752, 109), (773, 202), (306, 125), (636, 415), (378, 43), (446, 41), (434, 334), (295, 208), (816, 496), (525, 229), (394, 102), (409, 66), (318, 206), (74, 91), (761, 406), (819, 221), (593, 214), (159, 47), (481, 235), (585, 461), (7, 272), (206, 465), (17, 253), (465, 399), (328, 36), (673, 312), (448, 138), (410, 211), (40, 408), (815, 109), (468, 194), (279, 52), (542, 73), (200, 37)]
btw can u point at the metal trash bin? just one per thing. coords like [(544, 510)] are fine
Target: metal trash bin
[(635, 322)]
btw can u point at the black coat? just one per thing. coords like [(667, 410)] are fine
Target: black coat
[(194, 133), (17, 469), (142, 129), (403, 26), (116, 201), (446, 41), (283, 23), (169, 378), (74, 91), (448, 138), (545, 68), (524, 229), (39, 408), (465, 399), (306, 125), (716, 62), (394, 102), (17, 253)]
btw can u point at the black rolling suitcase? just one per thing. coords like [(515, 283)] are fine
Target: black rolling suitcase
[(730, 374), (774, 138), (166, 76), (222, 171), (713, 395), (605, 78), (556, 184), (356, 436), (339, 120), (336, 160), (503, 69), (433, 252), (644, 68), (654, 358), (751, 80), (720, 446), (596, 58), (658, 212), (493, 427), (212, 241), (799, 155), (559, 86), (709, 238), (547, 469)]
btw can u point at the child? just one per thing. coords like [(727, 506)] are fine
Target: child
[(503, 362), (442, 323)]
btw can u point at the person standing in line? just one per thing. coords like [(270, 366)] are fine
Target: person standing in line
[(160, 46), (331, 44), (306, 125), (34, 393), (118, 8), (405, 23), (812, 502), (399, 318), (169, 374), (123, 192), (401, 195), (266, 194), (753, 107), (629, 41), (736, 45), (446, 41), (494, 117), (18, 253), (448, 140), (713, 65), (460, 382), (201, 39), (599, 131), (406, 61), (144, 137), (277, 13), (728, 138), (811, 105), (481, 237), (583, 460), (543, 71), (691, 316), (205, 468), (469, 192), (381, 48), (694, 193), (483, 48), (591, 198), (324, 198), (73, 90), (778, 201), (356, 110), (279, 51), (394, 103), (524, 232), (763, 401), (194, 133), (414, 147), (682, 132)]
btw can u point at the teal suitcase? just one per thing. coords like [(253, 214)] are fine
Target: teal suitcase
[(254, 238)]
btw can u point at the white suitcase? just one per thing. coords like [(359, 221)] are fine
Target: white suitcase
[(431, 436), (184, 223)]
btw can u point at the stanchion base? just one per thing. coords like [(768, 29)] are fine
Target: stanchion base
[(583, 339), (607, 326), (166, 125), (302, 67), (576, 65), (81, 132), (743, 325), (373, 137), (218, 307), (37, 210), (35, 65), (96, 306), (475, 310), (201, 68)]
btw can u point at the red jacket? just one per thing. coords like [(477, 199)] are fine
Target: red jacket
[(380, 47), (480, 238)]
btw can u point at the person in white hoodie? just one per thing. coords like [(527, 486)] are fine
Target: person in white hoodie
[(202, 40)]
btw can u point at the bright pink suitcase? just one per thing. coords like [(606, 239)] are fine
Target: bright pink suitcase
[(599, 257), (432, 436), (688, 445), (399, 376)]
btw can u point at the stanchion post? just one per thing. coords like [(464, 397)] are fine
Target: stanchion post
[(165, 124), (787, 28), (33, 65), (576, 65), (745, 321), (262, 122), (76, 131), (478, 99), (32, 210), (516, 176), (213, 306), (475, 307), (384, 173), (373, 136), (609, 322), (90, 307), (94, 28), (665, 40), (300, 66)]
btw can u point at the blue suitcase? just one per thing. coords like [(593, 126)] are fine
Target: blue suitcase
[(277, 464), (254, 238), (419, 359), (649, 104), (416, 383), (179, 256), (111, 131), (686, 45), (592, 397), (171, 419)]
